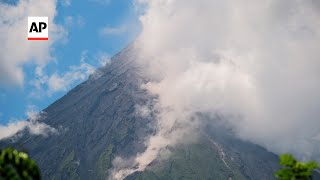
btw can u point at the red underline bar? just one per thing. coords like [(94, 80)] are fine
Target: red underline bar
[(38, 39)]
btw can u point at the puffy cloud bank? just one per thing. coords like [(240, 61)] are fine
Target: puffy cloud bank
[(255, 62)]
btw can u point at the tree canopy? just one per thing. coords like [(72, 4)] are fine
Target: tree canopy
[(292, 169), (17, 165)]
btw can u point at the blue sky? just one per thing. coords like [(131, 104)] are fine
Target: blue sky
[(93, 31)]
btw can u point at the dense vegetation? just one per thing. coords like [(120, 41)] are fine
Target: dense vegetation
[(295, 170), (17, 165)]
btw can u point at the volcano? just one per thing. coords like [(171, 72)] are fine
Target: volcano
[(97, 121)]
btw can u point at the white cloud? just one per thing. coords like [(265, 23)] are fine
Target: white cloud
[(60, 82), (33, 125), (114, 30), (11, 129), (254, 62), (16, 50), (65, 2), (74, 21), (103, 59), (68, 21), (143, 111)]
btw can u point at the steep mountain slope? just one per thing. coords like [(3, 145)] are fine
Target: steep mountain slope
[(217, 155), (97, 121)]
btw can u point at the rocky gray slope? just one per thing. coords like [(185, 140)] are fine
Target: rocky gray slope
[(97, 121)]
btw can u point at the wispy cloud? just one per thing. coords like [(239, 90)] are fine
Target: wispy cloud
[(33, 125), (103, 58), (114, 30), (65, 2), (62, 82), (74, 21), (50, 84)]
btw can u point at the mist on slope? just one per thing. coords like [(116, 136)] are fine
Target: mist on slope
[(257, 63)]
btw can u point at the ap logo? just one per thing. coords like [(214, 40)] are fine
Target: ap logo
[(38, 28)]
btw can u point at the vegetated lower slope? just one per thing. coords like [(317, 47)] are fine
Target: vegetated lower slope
[(97, 121)]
